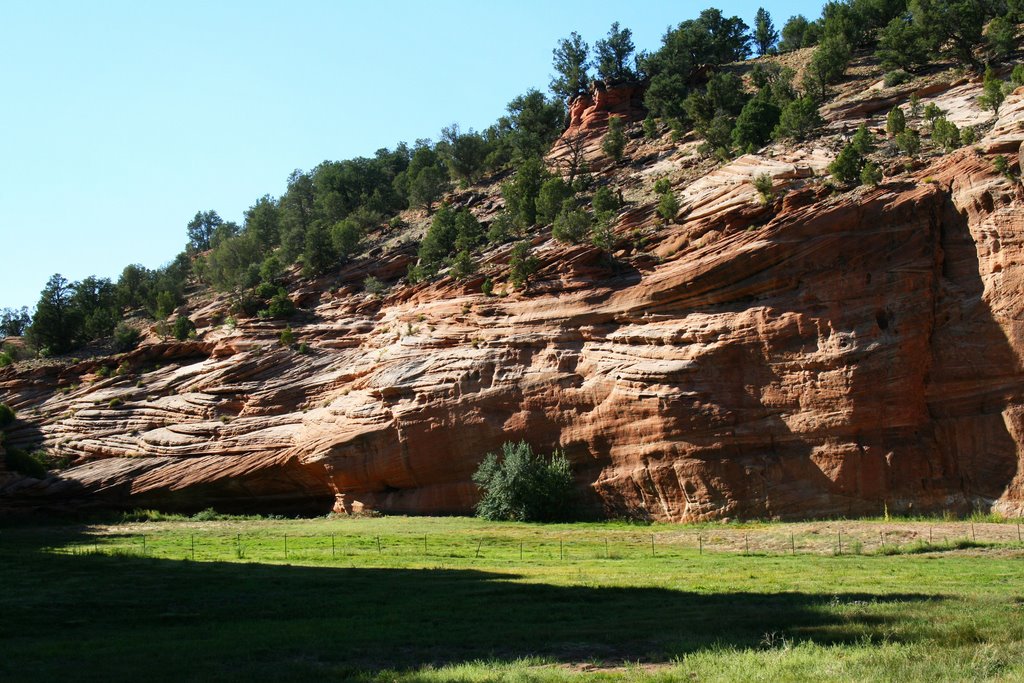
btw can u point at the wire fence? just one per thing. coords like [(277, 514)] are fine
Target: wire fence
[(562, 547)]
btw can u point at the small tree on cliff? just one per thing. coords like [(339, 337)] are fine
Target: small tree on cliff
[(522, 265), (614, 142), (519, 486)]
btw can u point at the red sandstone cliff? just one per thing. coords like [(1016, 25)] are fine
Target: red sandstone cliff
[(830, 353)]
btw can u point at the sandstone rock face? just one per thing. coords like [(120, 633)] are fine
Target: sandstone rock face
[(824, 354), (588, 122)]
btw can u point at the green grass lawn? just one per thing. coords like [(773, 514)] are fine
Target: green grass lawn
[(443, 599)]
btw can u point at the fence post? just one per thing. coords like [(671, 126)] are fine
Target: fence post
[(479, 543), (424, 544), (1018, 533), (746, 542), (881, 538), (379, 551), (333, 550), (606, 555), (520, 551), (143, 544), (792, 542), (193, 547), (286, 546), (840, 542), (652, 545), (700, 544), (974, 537)]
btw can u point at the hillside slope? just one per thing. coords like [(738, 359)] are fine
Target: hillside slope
[(831, 352)]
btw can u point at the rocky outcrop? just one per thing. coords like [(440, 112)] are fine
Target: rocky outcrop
[(827, 353), (588, 123)]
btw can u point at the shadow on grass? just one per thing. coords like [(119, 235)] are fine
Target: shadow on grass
[(122, 617)]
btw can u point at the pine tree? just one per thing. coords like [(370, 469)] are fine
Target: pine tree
[(765, 35), (612, 55), (571, 63)]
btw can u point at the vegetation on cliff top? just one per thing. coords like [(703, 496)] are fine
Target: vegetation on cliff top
[(324, 217)]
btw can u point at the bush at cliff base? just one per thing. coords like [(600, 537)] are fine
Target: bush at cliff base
[(523, 487)]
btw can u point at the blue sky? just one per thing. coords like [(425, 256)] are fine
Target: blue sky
[(121, 119)]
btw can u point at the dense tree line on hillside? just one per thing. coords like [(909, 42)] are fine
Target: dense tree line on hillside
[(324, 215)]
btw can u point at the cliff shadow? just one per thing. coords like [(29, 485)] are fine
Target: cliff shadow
[(932, 431), (111, 617)]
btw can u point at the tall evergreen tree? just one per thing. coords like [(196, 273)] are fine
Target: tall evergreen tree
[(201, 229), (55, 323), (571, 64), (765, 35), (612, 55)]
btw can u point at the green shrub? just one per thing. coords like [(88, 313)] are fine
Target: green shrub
[(909, 142), (522, 487), (19, 461), (605, 200), (115, 403), (1017, 77), (846, 167), (571, 226), (1001, 164), (287, 336), (763, 185), (897, 77), (463, 265), (374, 286), (755, 123), (993, 96), (915, 104), (280, 306), (662, 185), (487, 287), (650, 127), (553, 193), (968, 135), (945, 134), (798, 120), (501, 230), (895, 122), (126, 338), (7, 415), (5, 359), (863, 141), (602, 235), (183, 328), (932, 112), (668, 207), (614, 142), (871, 174), (522, 265), (520, 193)]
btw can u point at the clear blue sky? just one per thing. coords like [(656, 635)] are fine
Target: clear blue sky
[(121, 119)]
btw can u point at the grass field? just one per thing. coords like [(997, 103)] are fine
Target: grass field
[(439, 599)]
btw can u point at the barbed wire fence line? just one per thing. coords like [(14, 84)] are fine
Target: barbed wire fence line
[(267, 546)]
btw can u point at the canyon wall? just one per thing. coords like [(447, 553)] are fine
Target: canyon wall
[(827, 353)]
